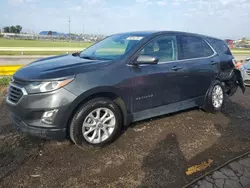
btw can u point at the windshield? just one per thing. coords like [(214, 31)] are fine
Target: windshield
[(112, 47)]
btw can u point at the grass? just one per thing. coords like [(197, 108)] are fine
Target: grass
[(41, 43), (240, 49), (238, 52), (13, 53), (4, 81), (49, 43)]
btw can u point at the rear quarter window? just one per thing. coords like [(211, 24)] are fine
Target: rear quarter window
[(221, 46), (193, 47)]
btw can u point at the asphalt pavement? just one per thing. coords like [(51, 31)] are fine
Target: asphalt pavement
[(234, 175)]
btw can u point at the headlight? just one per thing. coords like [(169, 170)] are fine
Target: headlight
[(42, 87)]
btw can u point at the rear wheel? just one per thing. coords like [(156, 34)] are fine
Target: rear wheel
[(215, 98), (96, 123)]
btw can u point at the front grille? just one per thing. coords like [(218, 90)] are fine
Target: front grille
[(14, 94)]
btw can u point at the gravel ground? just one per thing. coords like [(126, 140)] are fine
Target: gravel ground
[(152, 153)]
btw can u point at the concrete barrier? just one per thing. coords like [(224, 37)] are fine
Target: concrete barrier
[(8, 70)]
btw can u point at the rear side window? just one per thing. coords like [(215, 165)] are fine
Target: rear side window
[(194, 47), (221, 46)]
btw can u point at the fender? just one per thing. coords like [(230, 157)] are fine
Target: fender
[(88, 95)]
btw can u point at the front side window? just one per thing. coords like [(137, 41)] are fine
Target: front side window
[(112, 47), (165, 48), (194, 47)]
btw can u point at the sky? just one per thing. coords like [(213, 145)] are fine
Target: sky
[(219, 18)]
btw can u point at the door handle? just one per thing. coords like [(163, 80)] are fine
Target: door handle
[(176, 68), (213, 63)]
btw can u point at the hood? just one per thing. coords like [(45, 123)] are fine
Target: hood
[(58, 67)]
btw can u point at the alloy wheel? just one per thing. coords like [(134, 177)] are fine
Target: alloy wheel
[(217, 96), (98, 125)]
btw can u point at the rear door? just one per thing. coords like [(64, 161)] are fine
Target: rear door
[(202, 65)]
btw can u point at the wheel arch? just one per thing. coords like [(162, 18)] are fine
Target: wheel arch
[(106, 92)]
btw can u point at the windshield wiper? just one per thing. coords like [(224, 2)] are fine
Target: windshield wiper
[(76, 54), (94, 58)]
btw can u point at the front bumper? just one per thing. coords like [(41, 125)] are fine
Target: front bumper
[(27, 113), (49, 133)]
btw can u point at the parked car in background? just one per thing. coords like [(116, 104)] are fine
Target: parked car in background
[(245, 70), (89, 96)]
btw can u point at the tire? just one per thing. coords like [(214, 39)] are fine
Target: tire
[(209, 104), (85, 119)]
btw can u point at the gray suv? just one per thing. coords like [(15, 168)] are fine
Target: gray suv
[(91, 95)]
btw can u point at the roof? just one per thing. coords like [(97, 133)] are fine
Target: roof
[(147, 33), (141, 33)]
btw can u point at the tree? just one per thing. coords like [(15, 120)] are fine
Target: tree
[(18, 29), (6, 29), (50, 33), (12, 29)]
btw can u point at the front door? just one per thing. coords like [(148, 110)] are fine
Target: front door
[(157, 85)]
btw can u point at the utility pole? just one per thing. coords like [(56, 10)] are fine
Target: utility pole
[(69, 29)]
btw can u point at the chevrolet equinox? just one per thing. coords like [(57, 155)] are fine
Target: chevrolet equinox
[(90, 95)]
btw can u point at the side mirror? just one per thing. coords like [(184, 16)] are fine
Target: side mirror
[(145, 59), (248, 59)]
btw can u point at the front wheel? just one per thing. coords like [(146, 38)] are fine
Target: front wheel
[(215, 98), (96, 123)]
